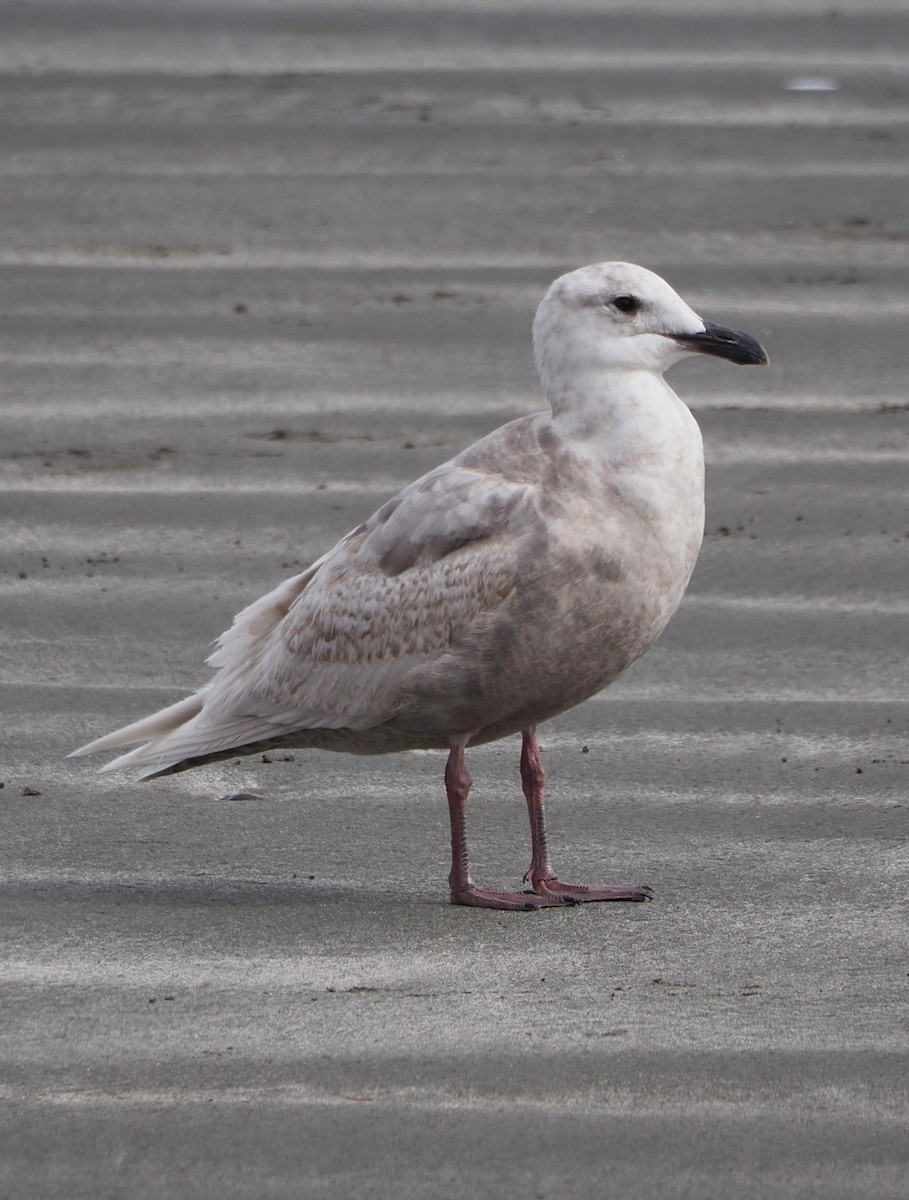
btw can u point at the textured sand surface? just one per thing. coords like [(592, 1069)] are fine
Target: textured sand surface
[(261, 265)]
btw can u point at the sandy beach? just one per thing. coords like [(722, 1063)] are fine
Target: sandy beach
[(263, 264)]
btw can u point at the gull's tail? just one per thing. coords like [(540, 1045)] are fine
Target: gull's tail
[(179, 737), (156, 727), (159, 723)]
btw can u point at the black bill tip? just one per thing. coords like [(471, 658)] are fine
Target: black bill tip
[(725, 343)]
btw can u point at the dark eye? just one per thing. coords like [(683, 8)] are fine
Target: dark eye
[(626, 304)]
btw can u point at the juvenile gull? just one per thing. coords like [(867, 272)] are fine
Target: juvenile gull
[(499, 590)]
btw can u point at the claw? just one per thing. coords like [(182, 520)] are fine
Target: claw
[(579, 893)]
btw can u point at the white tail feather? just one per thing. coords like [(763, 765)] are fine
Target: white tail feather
[(163, 721), (195, 739)]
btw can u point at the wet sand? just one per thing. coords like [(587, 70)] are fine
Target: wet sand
[(260, 267)]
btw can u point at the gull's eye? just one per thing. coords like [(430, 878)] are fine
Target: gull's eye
[(626, 304)]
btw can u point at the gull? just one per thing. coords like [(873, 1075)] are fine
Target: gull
[(495, 592)]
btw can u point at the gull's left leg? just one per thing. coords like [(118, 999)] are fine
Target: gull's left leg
[(463, 888), (541, 876)]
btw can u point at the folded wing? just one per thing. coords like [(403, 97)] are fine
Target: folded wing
[(331, 647)]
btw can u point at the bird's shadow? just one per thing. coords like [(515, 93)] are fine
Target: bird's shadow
[(204, 890)]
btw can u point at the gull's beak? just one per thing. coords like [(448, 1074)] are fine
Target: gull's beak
[(724, 343)]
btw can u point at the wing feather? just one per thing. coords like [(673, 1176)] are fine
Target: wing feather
[(330, 647)]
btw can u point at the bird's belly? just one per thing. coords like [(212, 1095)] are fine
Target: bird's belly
[(582, 650), (562, 638)]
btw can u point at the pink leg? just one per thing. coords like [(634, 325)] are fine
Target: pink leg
[(541, 877), (463, 889)]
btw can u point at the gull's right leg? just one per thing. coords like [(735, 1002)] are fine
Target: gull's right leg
[(463, 889)]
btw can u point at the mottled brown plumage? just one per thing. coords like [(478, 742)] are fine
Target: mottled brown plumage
[(495, 592)]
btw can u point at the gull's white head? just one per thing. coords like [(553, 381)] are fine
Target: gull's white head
[(616, 316)]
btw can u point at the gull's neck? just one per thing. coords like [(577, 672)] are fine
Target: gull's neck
[(633, 432), (624, 412)]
